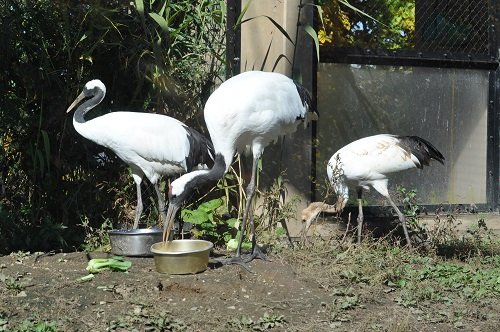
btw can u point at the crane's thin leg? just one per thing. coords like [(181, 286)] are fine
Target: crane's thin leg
[(285, 226), (402, 220), (256, 251), (236, 259), (138, 208), (248, 205), (360, 213)]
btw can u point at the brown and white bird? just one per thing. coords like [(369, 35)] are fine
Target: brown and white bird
[(366, 163)]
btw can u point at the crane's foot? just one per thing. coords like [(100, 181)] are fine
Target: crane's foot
[(257, 253), (236, 260)]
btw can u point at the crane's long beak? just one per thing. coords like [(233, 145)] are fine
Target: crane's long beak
[(76, 102), (169, 220)]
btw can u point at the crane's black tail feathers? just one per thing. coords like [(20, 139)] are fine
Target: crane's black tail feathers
[(305, 97), (201, 150), (422, 149)]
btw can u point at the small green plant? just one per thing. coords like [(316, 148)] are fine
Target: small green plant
[(50, 234), (4, 321), (266, 322), (476, 241), (269, 321), (411, 211), (243, 322), (142, 319), (443, 230), (209, 221), (28, 325), (13, 284), (344, 300), (409, 200), (276, 210), (95, 238)]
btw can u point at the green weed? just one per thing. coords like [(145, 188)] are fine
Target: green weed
[(29, 325), (266, 322), (345, 300), (276, 209), (95, 238), (143, 320), (419, 280), (210, 221)]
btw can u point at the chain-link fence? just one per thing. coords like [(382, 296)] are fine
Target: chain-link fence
[(452, 25), (449, 26)]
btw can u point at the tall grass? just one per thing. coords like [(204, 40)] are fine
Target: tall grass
[(454, 290)]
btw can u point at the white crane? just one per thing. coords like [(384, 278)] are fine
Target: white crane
[(247, 112), (151, 144), (366, 163)]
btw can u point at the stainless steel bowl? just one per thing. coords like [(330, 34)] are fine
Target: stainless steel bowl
[(181, 256), (134, 242)]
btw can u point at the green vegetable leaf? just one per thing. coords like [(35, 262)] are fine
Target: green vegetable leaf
[(88, 277), (115, 263)]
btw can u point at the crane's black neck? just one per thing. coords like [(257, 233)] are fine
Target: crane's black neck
[(97, 97), (213, 174), (204, 178)]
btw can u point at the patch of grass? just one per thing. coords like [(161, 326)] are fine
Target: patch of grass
[(266, 322), (20, 256), (345, 300), (29, 325), (95, 238), (478, 240), (142, 319), (439, 289), (12, 283), (4, 321)]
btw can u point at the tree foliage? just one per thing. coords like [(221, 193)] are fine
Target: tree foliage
[(153, 56), (385, 24)]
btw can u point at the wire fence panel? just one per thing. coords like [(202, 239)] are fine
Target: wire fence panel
[(457, 26), (436, 26)]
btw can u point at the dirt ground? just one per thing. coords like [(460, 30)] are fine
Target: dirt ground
[(275, 297)]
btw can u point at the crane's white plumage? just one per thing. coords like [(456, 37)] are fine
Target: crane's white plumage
[(151, 144), (248, 111), (253, 109), (367, 162)]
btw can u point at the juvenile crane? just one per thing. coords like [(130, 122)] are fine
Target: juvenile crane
[(150, 144), (248, 111), (366, 163)]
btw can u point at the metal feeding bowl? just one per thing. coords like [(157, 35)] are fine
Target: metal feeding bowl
[(181, 256), (134, 242)]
